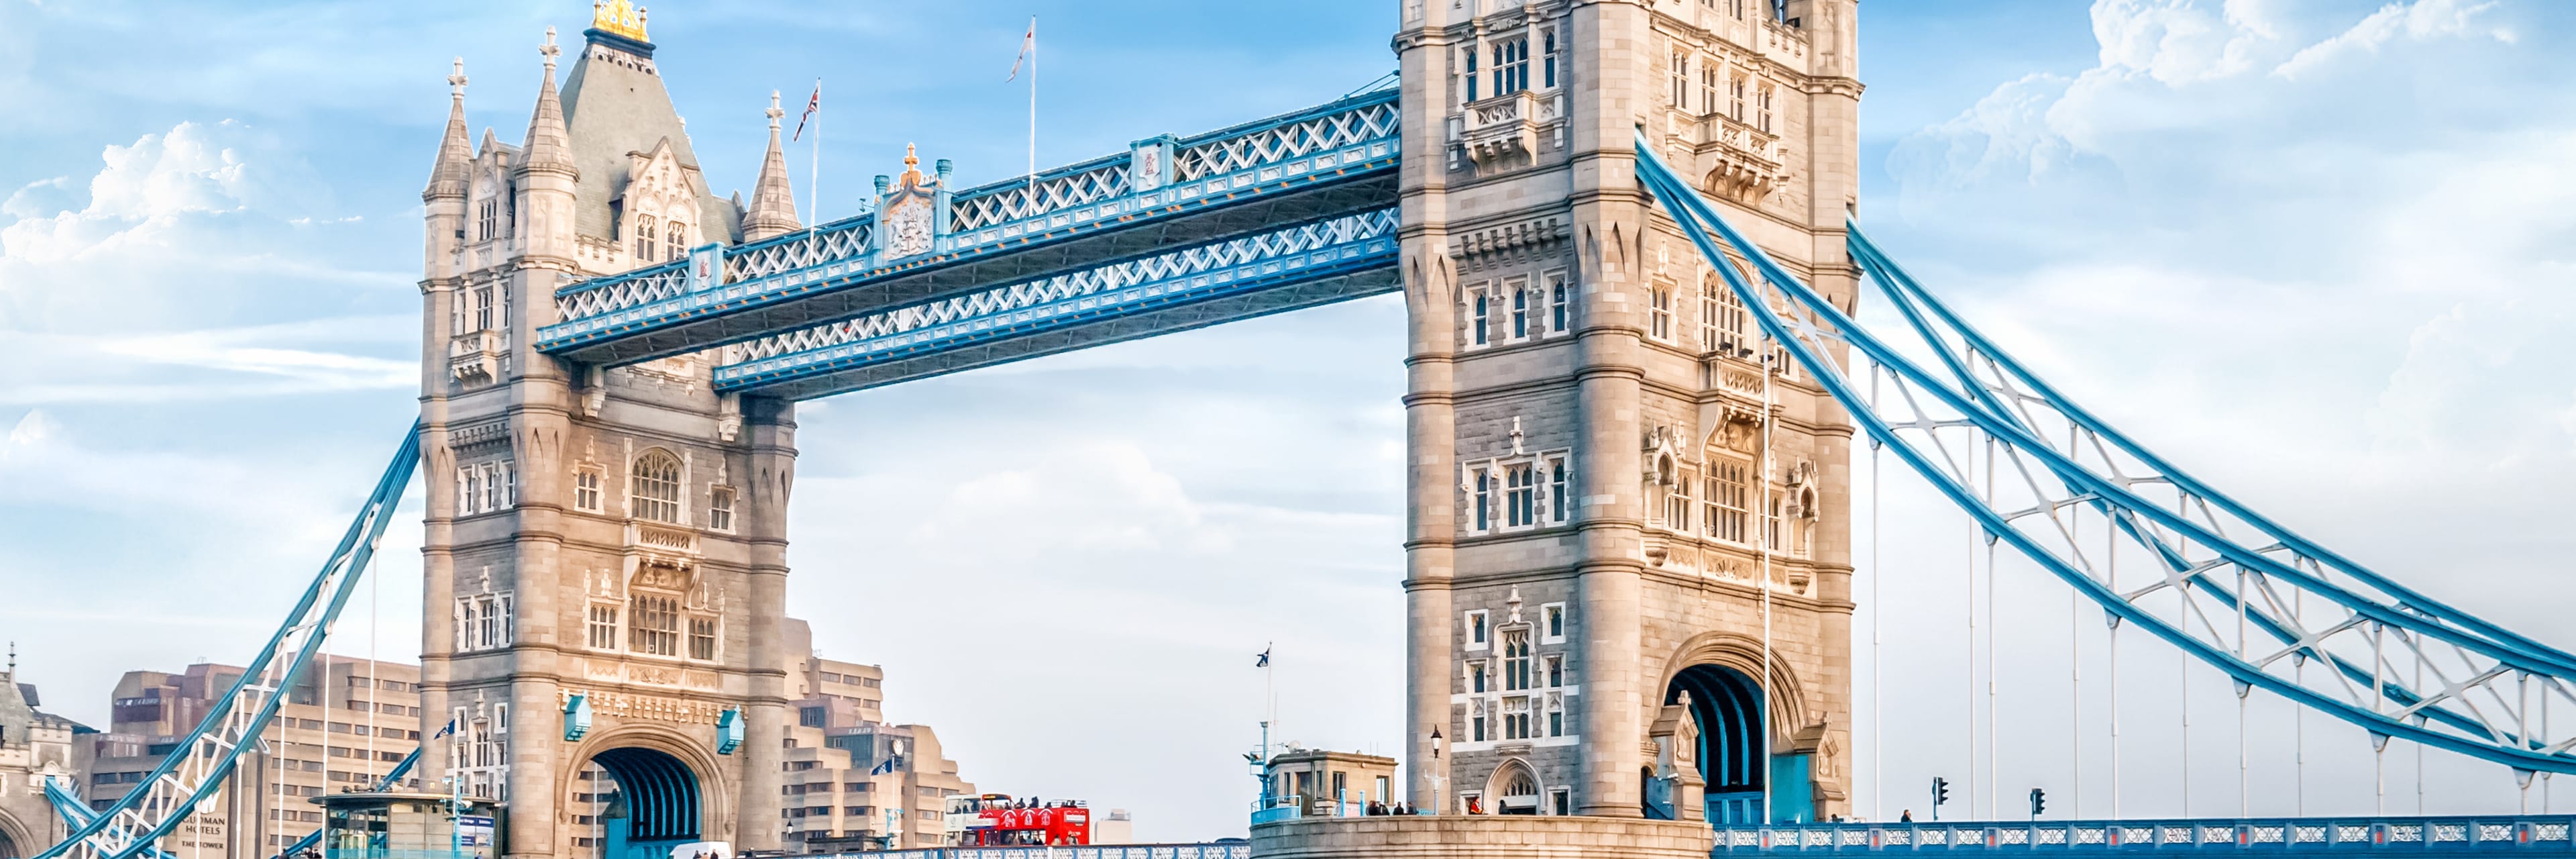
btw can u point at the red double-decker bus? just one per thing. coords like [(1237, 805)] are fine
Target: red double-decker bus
[(996, 819)]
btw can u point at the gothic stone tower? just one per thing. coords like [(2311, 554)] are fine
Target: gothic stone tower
[(605, 556), (1595, 500)]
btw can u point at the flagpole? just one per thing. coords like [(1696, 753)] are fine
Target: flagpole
[(814, 182), (1033, 112)]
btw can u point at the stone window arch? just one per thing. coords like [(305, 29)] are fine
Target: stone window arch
[(675, 240), (653, 487), (1514, 788), (644, 238)]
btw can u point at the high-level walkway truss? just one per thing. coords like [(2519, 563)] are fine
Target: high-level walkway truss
[(1174, 233), (2204, 572)]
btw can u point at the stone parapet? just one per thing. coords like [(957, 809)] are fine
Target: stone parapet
[(1480, 837)]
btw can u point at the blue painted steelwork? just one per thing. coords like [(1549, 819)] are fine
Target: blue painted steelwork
[(2055, 490), (76, 813), (2303, 836), (1727, 707), (1302, 266), (2010, 391), (576, 721), (196, 768), (660, 794), (1229, 850), (2009, 380), (728, 731), (1324, 162)]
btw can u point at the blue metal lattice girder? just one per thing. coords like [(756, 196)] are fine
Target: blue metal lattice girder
[(1248, 180), (1302, 266)]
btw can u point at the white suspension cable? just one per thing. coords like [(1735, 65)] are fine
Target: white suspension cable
[(1994, 619), (2074, 669), (1877, 664), (1971, 662), (1771, 526), (2111, 656), (2182, 617), (2244, 799), (375, 622)]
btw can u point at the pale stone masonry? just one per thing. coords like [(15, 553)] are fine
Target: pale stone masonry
[(615, 535), (34, 745), (1593, 513)]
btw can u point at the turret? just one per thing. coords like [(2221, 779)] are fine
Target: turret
[(773, 201), (449, 178), (545, 173)]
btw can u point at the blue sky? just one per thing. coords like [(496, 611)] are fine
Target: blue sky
[(2317, 250)]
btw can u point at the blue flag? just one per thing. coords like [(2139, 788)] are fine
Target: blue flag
[(884, 767), (1263, 661)]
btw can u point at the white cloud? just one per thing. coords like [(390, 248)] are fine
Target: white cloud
[(2421, 20), (189, 269)]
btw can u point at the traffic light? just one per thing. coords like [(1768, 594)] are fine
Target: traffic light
[(1940, 794), (2038, 803)]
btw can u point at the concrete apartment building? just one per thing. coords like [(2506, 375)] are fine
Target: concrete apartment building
[(849, 776), (344, 726)]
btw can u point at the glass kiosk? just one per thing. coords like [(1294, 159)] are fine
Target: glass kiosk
[(400, 825)]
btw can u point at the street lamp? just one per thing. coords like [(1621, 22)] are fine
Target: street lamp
[(1439, 771)]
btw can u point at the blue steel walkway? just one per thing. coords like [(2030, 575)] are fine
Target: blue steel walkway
[(1163, 196)]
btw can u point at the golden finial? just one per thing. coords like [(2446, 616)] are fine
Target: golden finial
[(618, 17), (911, 167)]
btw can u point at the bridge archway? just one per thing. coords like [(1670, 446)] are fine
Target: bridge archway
[(15, 840), (667, 793), (1718, 673), (1726, 708)]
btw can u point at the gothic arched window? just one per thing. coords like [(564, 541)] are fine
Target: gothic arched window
[(654, 488), (675, 240), (1519, 789), (644, 241)]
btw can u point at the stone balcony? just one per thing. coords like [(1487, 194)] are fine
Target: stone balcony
[(676, 539), (1740, 162), (476, 356), (1493, 129)]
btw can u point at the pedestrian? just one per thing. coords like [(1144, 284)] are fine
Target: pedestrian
[(1908, 818)]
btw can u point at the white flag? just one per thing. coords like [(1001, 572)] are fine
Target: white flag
[(1027, 43)]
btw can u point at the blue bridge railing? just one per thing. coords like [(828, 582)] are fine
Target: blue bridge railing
[(1164, 191), (2290, 836)]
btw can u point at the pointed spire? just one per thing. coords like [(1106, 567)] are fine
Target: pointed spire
[(447, 177), (773, 201), (549, 145)]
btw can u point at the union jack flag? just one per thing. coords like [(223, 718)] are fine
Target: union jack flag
[(811, 105)]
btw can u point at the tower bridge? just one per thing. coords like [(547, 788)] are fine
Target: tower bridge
[(1622, 233)]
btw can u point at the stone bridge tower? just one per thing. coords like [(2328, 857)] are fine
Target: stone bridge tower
[(1608, 462), (605, 549)]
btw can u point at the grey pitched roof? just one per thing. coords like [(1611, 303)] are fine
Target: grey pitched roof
[(614, 103)]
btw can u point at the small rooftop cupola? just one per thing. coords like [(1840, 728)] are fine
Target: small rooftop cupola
[(619, 24), (454, 168), (773, 201), (549, 145)]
